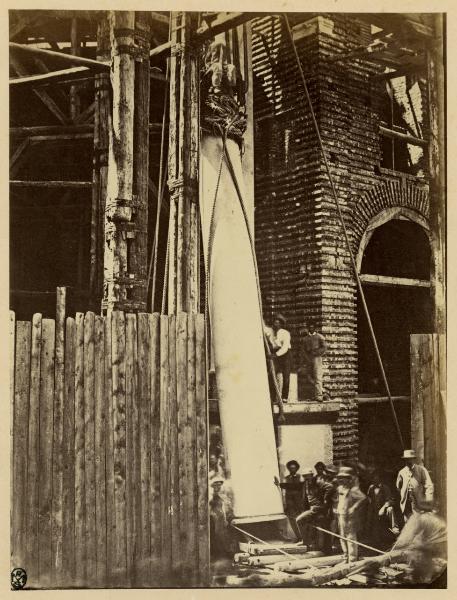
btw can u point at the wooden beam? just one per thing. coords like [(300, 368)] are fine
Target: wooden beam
[(75, 100), (396, 135), (396, 281), (158, 18), (52, 77), (361, 399), (51, 184), (223, 23), (42, 94), (163, 49), (437, 171), (86, 115), (100, 128), (54, 130), (17, 154), (183, 289), (119, 202), (401, 72), (138, 250), (61, 137), (68, 58)]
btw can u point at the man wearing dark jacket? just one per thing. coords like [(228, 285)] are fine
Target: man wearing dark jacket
[(317, 499), (293, 486), (314, 348)]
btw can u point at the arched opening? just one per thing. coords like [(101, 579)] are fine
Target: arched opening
[(394, 264), (395, 272)]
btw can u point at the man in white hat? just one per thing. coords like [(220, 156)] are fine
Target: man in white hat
[(414, 485)]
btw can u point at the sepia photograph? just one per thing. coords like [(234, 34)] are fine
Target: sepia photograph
[(227, 299)]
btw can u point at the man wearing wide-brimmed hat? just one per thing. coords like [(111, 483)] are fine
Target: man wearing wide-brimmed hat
[(414, 485), (293, 486)]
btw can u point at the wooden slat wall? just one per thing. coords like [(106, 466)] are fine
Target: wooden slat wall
[(109, 463), (428, 408)]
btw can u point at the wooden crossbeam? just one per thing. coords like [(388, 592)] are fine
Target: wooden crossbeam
[(163, 49), (19, 153), (223, 23), (206, 32), (85, 115), (53, 76), (393, 281), (50, 130), (51, 184), (42, 94), (401, 72), (68, 58), (410, 139)]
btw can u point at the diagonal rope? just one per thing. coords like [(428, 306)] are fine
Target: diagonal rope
[(345, 233), (270, 365)]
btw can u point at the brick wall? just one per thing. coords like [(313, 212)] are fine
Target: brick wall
[(304, 264)]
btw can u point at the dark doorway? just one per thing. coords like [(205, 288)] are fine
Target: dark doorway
[(396, 268), (395, 272)]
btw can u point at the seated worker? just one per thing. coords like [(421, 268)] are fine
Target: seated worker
[(317, 499), (381, 516), (293, 486), (319, 467)]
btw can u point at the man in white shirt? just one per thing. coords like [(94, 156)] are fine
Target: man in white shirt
[(281, 349)]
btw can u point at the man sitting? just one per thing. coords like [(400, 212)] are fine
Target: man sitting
[(317, 499)]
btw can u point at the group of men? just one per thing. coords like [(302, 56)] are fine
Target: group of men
[(331, 499), (279, 350)]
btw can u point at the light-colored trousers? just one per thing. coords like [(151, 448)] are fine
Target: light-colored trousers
[(348, 528), (315, 374)]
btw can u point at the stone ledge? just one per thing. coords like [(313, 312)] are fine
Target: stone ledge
[(309, 407)]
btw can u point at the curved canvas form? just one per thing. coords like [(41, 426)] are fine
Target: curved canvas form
[(237, 341)]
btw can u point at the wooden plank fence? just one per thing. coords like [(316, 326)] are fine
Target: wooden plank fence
[(109, 450), (428, 408)]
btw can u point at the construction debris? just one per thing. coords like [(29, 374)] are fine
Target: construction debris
[(418, 556)]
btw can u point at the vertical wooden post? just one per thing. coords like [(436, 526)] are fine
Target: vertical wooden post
[(57, 474), (437, 168), (118, 210), (33, 548), (138, 236), (183, 292), (102, 125), (20, 418), (75, 103)]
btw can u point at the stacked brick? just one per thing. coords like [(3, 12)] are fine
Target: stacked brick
[(304, 264)]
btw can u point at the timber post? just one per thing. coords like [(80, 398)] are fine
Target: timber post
[(102, 121), (437, 171), (137, 236), (119, 202), (183, 235)]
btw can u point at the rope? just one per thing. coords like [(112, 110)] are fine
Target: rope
[(291, 556), (349, 540), (259, 294), (345, 233), (162, 178), (165, 275)]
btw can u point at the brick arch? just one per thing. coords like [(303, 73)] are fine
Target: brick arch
[(388, 194)]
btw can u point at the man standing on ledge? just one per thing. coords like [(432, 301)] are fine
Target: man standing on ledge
[(281, 347), (315, 348)]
